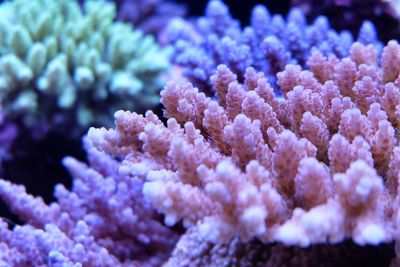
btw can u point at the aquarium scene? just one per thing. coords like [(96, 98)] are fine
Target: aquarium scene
[(207, 133)]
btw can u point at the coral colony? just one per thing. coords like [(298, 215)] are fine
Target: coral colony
[(279, 137), (65, 67), (62, 66)]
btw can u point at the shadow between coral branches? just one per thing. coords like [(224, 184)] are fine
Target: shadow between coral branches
[(36, 164)]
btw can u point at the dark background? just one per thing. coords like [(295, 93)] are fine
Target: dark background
[(239, 9), (341, 17)]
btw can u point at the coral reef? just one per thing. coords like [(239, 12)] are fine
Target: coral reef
[(63, 67), (267, 44)]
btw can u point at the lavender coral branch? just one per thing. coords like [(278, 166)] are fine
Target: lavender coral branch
[(102, 221)]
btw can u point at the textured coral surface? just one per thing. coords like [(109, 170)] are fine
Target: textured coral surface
[(318, 165), (255, 165)]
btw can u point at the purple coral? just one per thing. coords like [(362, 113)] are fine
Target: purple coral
[(151, 16), (267, 44), (102, 221), (8, 134)]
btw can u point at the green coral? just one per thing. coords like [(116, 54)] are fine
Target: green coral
[(63, 65)]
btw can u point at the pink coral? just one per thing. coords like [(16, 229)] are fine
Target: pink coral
[(329, 156)]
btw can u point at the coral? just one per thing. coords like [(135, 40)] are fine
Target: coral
[(323, 163), (192, 250), (63, 67), (151, 16), (8, 134), (268, 44), (102, 221)]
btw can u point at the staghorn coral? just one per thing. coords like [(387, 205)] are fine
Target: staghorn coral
[(268, 44), (102, 221), (60, 66), (324, 163)]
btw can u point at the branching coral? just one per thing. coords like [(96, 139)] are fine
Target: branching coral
[(102, 221), (268, 44), (61, 66), (321, 167)]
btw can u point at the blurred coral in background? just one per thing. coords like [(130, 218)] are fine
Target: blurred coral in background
[(348, 14), (8, 134), (151, 16), (64, 68)]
